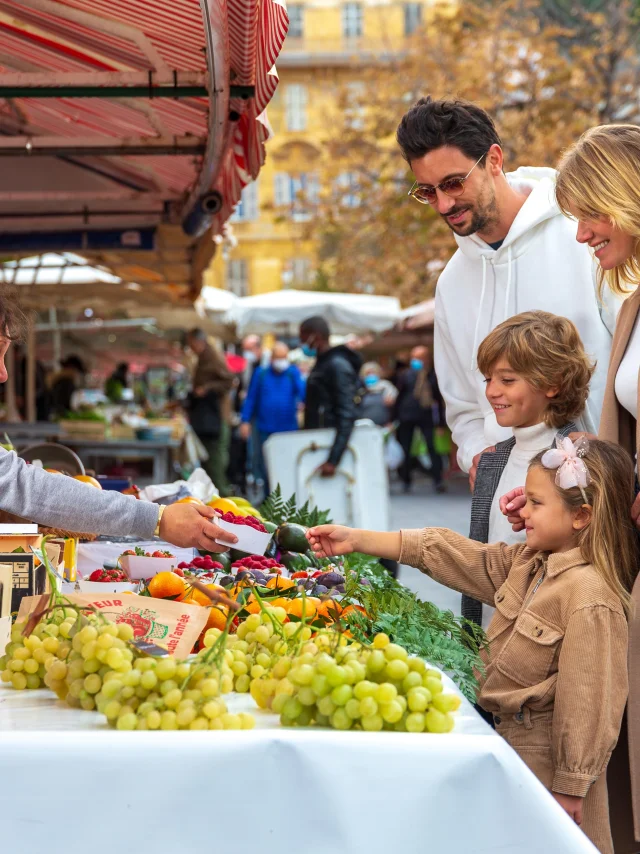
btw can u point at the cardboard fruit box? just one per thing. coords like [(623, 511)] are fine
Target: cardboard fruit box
[(249, 540)]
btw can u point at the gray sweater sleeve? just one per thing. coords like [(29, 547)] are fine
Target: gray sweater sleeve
[(61, 502)]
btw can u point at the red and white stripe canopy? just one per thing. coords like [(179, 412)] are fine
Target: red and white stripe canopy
[(119, 40)]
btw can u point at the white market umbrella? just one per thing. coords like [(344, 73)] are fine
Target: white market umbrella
[(283, 311)]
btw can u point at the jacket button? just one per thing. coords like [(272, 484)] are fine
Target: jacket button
[(499, 597), (497, 719), (537, 632)]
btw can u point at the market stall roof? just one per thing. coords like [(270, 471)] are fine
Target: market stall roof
[(282, 312), (128, 128), (418, 316)]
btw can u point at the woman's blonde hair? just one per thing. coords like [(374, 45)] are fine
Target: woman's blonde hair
[(599, 176), (548, 351), (609, 541)]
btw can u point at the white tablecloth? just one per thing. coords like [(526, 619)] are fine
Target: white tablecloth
[(70, 785)]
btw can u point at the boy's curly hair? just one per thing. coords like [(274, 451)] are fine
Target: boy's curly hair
[(548, 352)]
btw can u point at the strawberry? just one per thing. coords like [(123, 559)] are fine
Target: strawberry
[(179, 572), (300, 575), (96, 575)]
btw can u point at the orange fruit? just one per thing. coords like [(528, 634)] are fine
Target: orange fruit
[(329, 609), (280, 583), (53, 471), (295, 608), (225, 505), (252, 608), (90, 481), (350, 608), (190, 499), (165, 585), (217, 618), (192, 596)]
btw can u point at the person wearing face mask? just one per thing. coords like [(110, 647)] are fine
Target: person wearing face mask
[(332, 388), (419, 406), (379, 395), (272, 403)]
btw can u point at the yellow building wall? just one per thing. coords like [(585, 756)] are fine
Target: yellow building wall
[(269, 245)]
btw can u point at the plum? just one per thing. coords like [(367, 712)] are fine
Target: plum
[(227, 580), (260, 577), (330, 579), (320, 590)]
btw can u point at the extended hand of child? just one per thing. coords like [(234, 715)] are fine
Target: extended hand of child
[(571, 805), (332, 540)]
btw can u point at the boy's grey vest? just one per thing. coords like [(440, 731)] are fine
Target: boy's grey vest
[(488, 476)]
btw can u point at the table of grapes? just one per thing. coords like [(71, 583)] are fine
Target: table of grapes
[(70, 784)]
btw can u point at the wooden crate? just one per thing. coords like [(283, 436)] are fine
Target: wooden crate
[(122, 431), (83, 429)]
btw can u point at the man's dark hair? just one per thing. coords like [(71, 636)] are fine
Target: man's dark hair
[(13, 320), (74, 362), (315, 324), (198, 334), (431, 124)]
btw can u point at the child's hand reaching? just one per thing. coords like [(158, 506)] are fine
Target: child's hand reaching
[(571, 804), (332, 540)]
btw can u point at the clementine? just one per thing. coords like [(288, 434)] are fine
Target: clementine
[(329, 609), (217, 618), (280, 583), (90, 481), (296, 607), (166, 585)]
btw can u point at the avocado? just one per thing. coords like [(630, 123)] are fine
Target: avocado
[(291, 538), (236, 554), (294, 561), (272, 549)]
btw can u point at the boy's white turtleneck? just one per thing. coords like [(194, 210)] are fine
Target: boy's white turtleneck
[(529, 442)]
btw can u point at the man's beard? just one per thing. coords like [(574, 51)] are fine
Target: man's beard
[(483, 216)]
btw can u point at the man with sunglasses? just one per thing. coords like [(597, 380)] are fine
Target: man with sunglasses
[(516, 252)]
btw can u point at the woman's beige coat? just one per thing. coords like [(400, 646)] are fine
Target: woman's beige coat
[(618, 425)]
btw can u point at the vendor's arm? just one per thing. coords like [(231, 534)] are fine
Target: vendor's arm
[(591, 693), (62, 502), (462, 564)]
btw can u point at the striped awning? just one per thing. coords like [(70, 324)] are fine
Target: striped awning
[(218, 127)]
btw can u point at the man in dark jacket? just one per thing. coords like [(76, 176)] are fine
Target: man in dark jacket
[(332, 388), (209, 407), (419, 406)]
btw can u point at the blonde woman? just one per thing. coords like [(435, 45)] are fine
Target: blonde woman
[(598, 184)]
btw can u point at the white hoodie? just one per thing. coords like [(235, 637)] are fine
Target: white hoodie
[(540, 266)]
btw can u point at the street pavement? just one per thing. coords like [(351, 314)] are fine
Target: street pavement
[(421, 508)]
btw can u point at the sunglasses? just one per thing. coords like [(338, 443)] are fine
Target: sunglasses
[(427, 194)]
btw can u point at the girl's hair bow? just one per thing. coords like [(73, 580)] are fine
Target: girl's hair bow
[(566, 457)]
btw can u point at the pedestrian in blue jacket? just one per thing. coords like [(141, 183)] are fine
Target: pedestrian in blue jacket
[(273, 398)]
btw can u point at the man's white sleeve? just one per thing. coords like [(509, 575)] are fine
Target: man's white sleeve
[(463, 413)]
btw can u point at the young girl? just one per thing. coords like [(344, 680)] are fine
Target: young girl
[(537, 381), (556, 675)]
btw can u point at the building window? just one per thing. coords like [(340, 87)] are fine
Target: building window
[(296, 107), (296, 21), (247, 208), (349, 189), (412, 18), (299, 193), (352, 20), (238, 277)]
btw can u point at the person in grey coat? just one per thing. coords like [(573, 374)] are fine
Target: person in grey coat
[(61, 502)]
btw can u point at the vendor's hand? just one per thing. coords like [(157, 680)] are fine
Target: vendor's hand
[(474, 466), (187, 525), (332, 540), (571, 805), (510, 506), (327, 470), (635, 511), (245, 431)]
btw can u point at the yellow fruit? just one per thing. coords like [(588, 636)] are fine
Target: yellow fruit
[(90, 481), (190, 499), (241, 502), (225, 505)]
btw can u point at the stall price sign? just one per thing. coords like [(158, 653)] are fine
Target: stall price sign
[(26, 578)]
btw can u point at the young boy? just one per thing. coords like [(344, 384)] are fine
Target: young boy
[(537, 375)]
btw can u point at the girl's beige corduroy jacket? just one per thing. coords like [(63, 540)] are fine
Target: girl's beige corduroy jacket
[(558, 641)]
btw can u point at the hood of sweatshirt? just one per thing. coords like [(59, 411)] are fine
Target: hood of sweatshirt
[(538, 182)]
